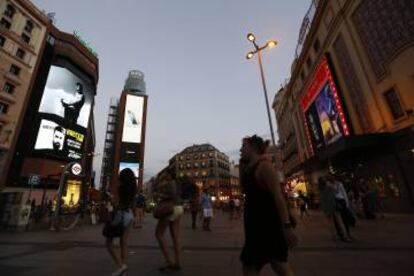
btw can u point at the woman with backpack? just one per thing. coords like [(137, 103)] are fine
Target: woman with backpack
[(122, 220)]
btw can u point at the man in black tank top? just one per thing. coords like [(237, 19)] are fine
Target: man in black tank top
[(268, 229)]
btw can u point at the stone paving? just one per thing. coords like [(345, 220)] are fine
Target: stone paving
[(382, 247)]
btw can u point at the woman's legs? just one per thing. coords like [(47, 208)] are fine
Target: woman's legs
[(159, 234), (124, 245), (175, 234), (112, 252)]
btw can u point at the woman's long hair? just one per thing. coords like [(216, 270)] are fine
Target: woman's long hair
[(128, 186)]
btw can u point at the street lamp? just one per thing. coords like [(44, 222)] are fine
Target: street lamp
[(257, 50)]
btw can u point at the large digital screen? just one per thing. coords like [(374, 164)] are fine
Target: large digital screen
[(134, 111), (131, 165), (67, 96), (64, 113), (58, 141), (324, 116)]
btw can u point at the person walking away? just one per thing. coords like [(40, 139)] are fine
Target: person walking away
[(231, 208), (342, 205), (168, 189), (123, 214), (207, 206), (237, 208), (194, 208), (328, 206), (267, 227), (303, 204), (139, 209)]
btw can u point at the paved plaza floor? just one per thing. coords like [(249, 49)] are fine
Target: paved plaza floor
[(382, 247)]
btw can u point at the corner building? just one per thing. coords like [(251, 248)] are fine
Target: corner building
[(350, 98), (22, 34), (57, 120)]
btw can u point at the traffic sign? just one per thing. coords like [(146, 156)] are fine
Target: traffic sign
[(34, 179), (76, 169)]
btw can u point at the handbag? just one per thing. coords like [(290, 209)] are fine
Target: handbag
[(164, 209), (111, 230)]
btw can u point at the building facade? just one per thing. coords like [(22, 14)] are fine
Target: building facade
[(347, 108), (55, 125), (22, 34), (107, 167), (209, 167), (125, 137)]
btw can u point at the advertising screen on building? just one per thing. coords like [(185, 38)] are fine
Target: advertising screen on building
[(64, 113), (132, 128), (133, 166), (58, 141), (67, 96), (324, 115)]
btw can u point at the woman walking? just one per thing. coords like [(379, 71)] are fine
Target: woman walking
[(168, 190), (123, 215), (267, 226), (207, 206)]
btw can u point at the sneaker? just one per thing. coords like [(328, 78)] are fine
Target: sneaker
[(120, 270)]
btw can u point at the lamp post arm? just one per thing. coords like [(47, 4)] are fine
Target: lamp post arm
[(266, 97)]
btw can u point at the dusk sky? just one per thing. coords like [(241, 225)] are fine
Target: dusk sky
[(192, 52)]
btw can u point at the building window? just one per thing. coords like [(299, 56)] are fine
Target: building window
[(203, 164), (5, 24), (8, 88), (20, 53), (10, 11), (196, 165), (210, 154), (2, 41), (188, 165), (203, 155), (29, 26), (26, 38), (394, 104), (3, 108), (15, 70)]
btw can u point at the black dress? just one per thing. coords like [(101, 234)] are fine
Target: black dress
[(264, 238)]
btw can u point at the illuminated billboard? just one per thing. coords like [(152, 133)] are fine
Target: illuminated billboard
[(130, 155), (57, 141), (134, 166), (67, 96), (64, 113), (324, 115), (134, 111)]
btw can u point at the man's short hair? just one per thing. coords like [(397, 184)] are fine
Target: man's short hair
[(59, 128)]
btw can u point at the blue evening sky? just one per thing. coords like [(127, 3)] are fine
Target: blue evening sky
[(192, 52)]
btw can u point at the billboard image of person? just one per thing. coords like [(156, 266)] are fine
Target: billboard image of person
[(74, 104), (59, 142), (51, 136), (67, 96), (328, 115)]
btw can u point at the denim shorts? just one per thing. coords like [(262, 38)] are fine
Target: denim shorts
[(125, 216)]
